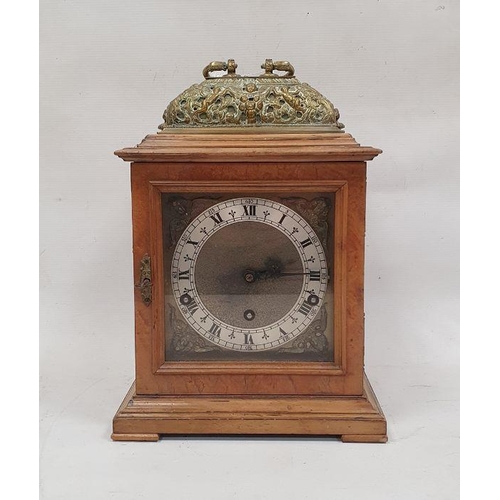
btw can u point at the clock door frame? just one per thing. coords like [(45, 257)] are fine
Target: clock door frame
[(154, 375)]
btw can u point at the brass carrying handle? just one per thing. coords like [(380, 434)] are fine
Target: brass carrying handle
[(230, 67), (145, 284), (269, 66)]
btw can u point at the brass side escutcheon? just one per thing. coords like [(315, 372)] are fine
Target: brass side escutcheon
[(145, 283)]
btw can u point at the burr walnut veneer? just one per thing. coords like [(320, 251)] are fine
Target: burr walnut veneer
[(213, 394)]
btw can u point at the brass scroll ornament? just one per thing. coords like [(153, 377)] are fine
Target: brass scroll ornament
[(230, 67), (269, 66), (231, 101), (145, 284)]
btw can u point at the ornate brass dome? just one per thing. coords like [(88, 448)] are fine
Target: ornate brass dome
[(239, 103)]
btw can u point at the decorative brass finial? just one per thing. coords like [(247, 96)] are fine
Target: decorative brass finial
[(230, 67), (269, 66)]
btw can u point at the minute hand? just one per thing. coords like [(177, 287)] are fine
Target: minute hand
[(292, 274)]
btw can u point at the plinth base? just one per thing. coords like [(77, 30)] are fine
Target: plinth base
[(355, 419)]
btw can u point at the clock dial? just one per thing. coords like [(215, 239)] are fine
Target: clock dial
[(249, 274)]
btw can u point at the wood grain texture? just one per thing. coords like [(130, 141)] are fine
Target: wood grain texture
[(248, 148), (354, 418), (364, 438), (331, 398), (154, 375), (135, 437)]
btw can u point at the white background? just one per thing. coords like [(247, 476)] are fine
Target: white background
[(107, 71)]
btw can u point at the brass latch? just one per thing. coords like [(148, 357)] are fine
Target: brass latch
[(145, 283)]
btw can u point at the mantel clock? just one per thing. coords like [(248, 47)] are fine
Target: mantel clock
[(248, 237)]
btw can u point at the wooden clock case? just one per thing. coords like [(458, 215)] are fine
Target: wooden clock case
[(254, 398)]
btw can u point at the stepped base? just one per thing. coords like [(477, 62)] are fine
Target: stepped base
[(355, 419)]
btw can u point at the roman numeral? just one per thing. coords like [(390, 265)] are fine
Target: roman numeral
[(216, 218), (184, 275), (305, 308), (314, 275), (248, 338), (192, 307), (282, 332), (306, 243), (215, 330), (282, 219), (249, 209), (194, 243)]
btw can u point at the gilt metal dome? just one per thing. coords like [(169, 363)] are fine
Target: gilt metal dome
[(251, 103)]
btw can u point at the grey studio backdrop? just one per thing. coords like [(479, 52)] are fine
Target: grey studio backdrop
[(107, 70)]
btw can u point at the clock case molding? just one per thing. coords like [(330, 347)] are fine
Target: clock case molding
[(284, 398)]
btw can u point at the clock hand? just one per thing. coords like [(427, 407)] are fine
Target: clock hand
[(293, 274), (250, 275)]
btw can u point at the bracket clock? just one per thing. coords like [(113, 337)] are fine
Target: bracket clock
[(248, 213)]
